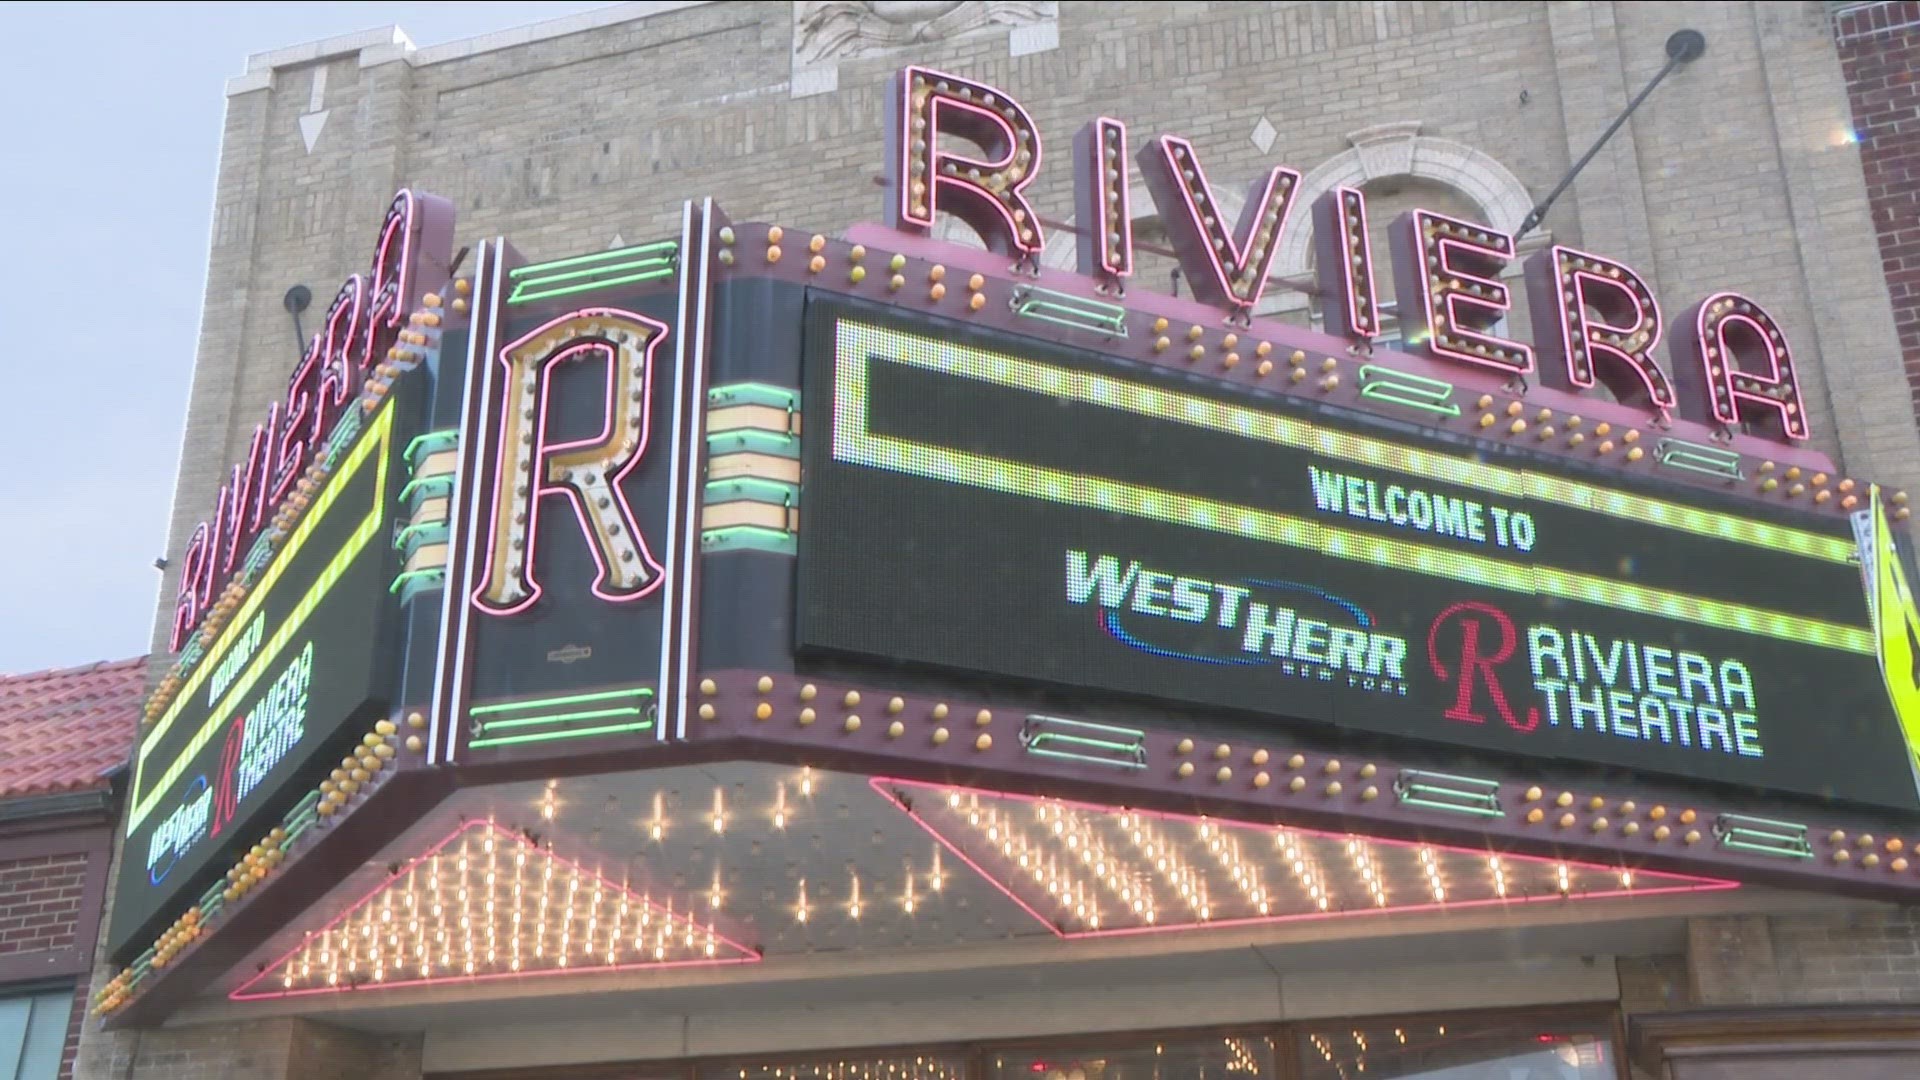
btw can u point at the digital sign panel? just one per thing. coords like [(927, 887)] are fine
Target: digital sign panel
[(998, 505), (306, 654)]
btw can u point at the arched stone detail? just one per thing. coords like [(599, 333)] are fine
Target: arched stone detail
[(1398, 149)]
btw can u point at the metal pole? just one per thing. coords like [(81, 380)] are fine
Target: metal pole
[(1684, 46), (296, 301)]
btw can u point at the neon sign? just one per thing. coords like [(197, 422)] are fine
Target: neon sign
[(1595, 320), (362, 325), (587, 472)]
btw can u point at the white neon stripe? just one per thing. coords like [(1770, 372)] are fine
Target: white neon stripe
[(697, 450), (455, 526), (674, 553), (495, 296)]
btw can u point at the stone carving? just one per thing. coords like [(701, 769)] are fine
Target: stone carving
[(825, 31)]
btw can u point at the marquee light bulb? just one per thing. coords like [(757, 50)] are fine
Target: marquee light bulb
[(1069, 864), (471, 918)]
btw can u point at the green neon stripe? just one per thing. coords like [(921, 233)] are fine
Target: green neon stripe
[(526, 286), (1433, 388), (1077, 312), (610, 256), (779, 397), (1475, 785), (558, 718), (1693, 457), (752, 489), (421, 483), (551, 736), (410, 582), (753, 441), (1103, 390), (1046, 738), (527, 293), (1743, 821), (570, 699), (1429, 804), (749, 538), (433, 442), (1389, 394), (1042, 722), (373, 447), (1068, 755), (1407, 390), (430, 532), (1765, 849)]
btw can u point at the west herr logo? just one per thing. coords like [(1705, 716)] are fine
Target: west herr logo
[(181, 830), (1246, 623)]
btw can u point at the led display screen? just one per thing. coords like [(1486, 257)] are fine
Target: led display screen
[(1002, 506), (277, 692)]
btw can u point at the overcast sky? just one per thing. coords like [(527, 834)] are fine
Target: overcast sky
[(110, 122)]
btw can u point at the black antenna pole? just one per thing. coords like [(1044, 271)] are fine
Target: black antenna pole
[(1683, 47)]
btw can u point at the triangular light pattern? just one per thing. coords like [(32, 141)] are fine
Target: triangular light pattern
[(1087, 870), (487, 903)]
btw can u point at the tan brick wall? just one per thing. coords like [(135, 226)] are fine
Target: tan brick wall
[(1869, 956), (281, 1049)]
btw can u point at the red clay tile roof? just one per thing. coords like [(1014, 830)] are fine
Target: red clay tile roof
[(64, 730)]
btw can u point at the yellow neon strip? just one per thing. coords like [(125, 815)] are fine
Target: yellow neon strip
[(378, 439), (1096, 389)]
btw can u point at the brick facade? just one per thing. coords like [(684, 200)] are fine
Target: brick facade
[(1880, 55), (52, 885), (1733, 175), (40, 902), (1871, 956), (41, 909)]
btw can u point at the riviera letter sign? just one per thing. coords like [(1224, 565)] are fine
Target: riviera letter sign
[(1594, 317)]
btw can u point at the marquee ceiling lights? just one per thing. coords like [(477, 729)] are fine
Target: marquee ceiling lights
[(485, 903), (1097, 870)]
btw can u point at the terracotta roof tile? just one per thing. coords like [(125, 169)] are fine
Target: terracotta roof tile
[(66, 730)]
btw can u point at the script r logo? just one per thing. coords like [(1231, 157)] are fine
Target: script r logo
[(532, 470), (1487, 640)]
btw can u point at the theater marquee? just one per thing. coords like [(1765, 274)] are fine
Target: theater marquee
[(535, 551)]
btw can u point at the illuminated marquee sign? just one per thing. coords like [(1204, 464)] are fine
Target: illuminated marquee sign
[(554, 605), (1596, 322), (1070, 520), (308, 652), (359, 330)]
